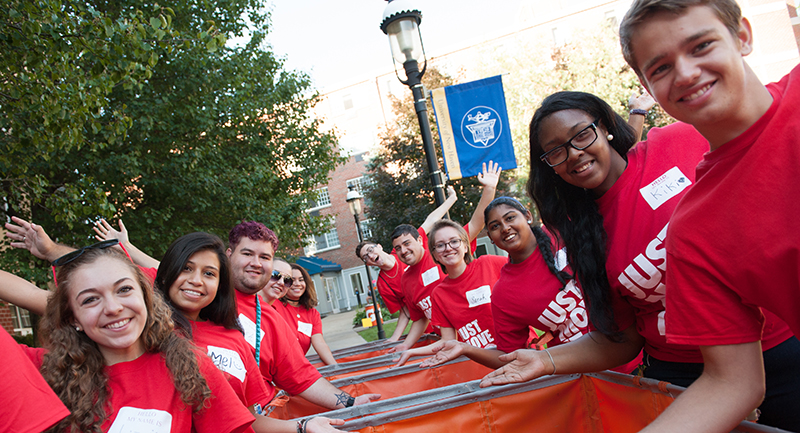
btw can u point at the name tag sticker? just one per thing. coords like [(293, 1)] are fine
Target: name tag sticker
[(480, 296), (304, 327), (249, 330), (430, 276), (665, 187), (228, 361), (135, 420)]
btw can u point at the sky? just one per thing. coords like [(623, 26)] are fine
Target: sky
[(339, 42)]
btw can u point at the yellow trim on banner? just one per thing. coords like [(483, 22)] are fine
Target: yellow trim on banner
[(446, 134)]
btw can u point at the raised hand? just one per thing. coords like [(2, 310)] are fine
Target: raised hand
[(642, 102), (105, 231), (490, 175), (523, 365), (32, 237)]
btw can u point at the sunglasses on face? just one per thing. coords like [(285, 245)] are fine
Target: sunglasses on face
[(71, 256), (277, 275)]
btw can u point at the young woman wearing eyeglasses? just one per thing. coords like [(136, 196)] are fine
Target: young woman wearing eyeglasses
[(611, 202), (112, 356), (461, 303), (297, 308)]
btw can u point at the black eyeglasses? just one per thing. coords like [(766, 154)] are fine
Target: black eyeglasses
[(583, 139), (367, 252), (72, 255), (277, 275), (453, 243)]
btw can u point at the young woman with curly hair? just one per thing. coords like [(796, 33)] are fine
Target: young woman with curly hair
[(112, 356), (297, 308)]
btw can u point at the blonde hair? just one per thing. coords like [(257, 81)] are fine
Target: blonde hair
[(462, 234)]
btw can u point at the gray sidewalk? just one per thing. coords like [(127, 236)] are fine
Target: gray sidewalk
[(338, 331)]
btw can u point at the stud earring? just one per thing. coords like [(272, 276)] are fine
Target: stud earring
[(78, 328), (610, 137)]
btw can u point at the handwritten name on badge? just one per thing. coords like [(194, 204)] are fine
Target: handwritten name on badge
[(480, 296), (249, 330), (304, 327), (665, 187), (134, 420), (228, 361), (430, 276)]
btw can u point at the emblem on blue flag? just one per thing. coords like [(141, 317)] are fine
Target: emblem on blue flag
[(473, 127)]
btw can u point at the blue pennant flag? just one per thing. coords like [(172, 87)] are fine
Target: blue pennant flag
[(473, 127)]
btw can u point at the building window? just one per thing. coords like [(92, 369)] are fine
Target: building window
[(322, 242), (322, 199), (366, 229), (359, 183), (347, 102), (21, 319)]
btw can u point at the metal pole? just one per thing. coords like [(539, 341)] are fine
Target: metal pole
[(378, 318), (415, 84)]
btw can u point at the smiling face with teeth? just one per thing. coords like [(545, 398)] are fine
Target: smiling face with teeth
[(596, 167), (197, 283), (107, 303), (694, 66)]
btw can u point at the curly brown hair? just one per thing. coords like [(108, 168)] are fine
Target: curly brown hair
[(74, 365)]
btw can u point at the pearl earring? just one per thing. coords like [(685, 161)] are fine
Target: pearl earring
[(530, 221), (610, 137), (78, 328)]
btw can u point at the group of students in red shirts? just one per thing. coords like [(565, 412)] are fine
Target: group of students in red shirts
[(111, 353), (679, 248)]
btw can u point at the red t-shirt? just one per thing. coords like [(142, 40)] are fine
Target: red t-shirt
[(528, 294), (465, 303), (418, 282), (282, 363), (306, 322), (389, 285), (733, 245), (233, 356), (26, 402), (143, 398)]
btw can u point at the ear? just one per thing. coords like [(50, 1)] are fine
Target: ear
[(745, 36), (228, 252), (528, 215)]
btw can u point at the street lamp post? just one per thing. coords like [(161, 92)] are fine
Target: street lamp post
[(401, 23), (354, 201)]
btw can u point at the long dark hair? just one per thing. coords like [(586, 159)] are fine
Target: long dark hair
[(308, 299), (543, 240), (222, 310), (571, 212)]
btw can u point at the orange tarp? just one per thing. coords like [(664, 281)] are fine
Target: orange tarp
[(413, 379)]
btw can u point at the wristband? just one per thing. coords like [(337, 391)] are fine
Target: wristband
[(639, 111), (301, 425), (350, 401)]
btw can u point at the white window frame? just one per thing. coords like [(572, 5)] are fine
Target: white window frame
[(331, 236), (323, 199), (359, 183), (21, 319)]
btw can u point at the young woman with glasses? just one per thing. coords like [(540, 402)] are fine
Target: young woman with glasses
[(297, 308), (461, 303), (610, 202)]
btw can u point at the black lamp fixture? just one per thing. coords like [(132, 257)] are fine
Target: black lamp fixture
[(401, 23), (354, 199)]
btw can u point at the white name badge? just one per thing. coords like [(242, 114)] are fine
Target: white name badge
[(304, 327), (480, 296), (228, 361), (249, 330), (665, 187), (430, 276), (135, 420)]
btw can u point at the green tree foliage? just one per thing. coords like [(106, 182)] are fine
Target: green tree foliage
[(181, 132), (401, 191)]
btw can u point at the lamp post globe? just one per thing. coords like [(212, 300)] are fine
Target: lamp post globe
[(400, 23)]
